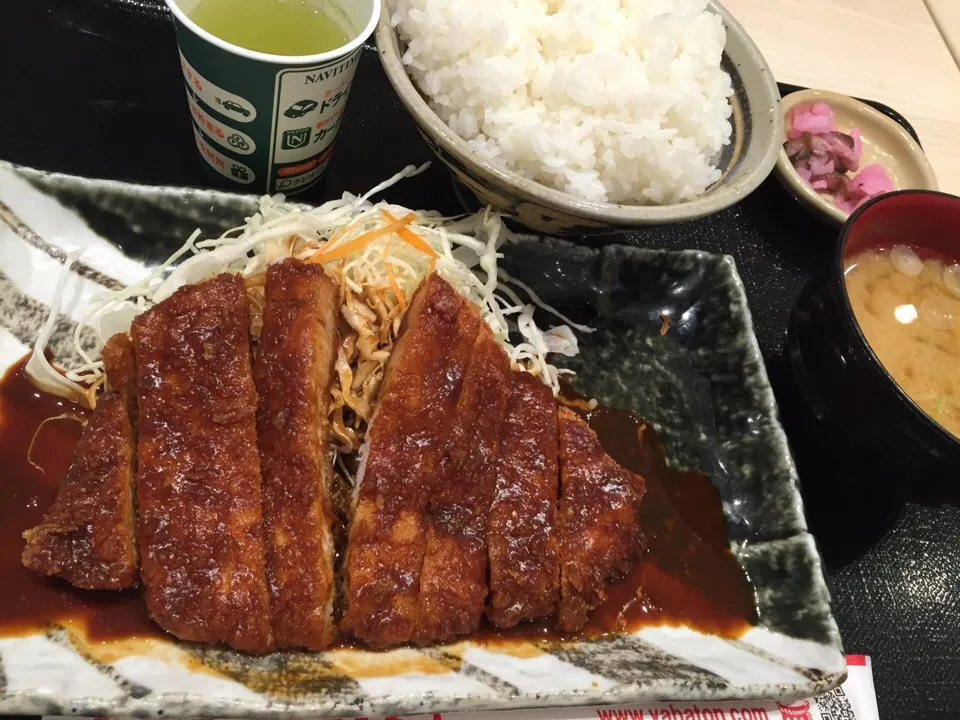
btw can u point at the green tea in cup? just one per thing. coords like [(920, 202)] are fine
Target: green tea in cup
[(276, 27), (267, 84)]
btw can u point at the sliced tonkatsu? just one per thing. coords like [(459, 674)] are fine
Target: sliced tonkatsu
[(522, 536), (453, 581), (600, 537), (399, 463), (293, 373), (198, 478), (87, 537)]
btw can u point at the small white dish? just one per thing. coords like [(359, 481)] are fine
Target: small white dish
[(884, 141)]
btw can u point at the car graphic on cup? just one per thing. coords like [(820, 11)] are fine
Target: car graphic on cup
[(300, 108), (235, 107)]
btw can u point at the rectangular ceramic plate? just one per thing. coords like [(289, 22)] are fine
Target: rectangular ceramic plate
[(702, 385)]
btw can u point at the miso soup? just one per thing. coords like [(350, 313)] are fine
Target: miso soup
[(908, 309)]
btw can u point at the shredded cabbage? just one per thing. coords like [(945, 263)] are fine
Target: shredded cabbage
[(41, 373), (378, 253)]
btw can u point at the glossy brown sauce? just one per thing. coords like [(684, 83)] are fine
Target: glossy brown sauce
[(28, 601), (688, 577)]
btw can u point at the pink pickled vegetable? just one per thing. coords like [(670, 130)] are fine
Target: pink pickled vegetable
[(841, 148), (823, 156), (873, 180), (868, 183), (848, 201), (806, 120), (857, 143), (821, 165)]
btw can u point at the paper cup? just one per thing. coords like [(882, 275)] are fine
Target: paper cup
[(267, 123)]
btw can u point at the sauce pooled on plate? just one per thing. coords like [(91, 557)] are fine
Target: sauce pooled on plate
[(688, 576)]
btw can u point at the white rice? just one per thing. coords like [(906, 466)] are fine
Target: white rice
[(618, 101)]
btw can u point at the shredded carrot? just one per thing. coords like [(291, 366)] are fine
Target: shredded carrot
[(337, 235), (311, 244), (396, 288), (411, 238), (392, 277), (313, 257), (359, 242)]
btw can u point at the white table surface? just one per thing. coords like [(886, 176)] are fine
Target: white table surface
[(886, 50)]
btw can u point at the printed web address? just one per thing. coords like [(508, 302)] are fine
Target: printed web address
[(687, 713)]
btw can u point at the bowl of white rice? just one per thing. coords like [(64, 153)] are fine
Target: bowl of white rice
[(587, 116)]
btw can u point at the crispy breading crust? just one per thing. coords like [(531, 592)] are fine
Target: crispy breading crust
[(293, 373), (600, 535), (453, 581), (87, 536), (522, 536), (201, 527), (405, 444)]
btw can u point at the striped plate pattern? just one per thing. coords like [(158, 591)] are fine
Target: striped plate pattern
[(705, 391)]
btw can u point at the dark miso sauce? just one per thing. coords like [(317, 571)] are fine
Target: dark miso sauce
[(688, 576), (29, 602)]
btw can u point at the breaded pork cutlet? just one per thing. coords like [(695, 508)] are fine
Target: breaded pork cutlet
[(453, 581), (522, 535), (404, 447), (87, 537), (600, 537), (198, 480), (293, 373)]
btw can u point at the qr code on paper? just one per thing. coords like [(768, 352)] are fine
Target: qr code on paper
[(835, 706)]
